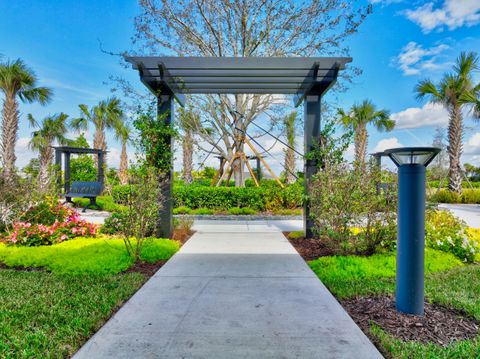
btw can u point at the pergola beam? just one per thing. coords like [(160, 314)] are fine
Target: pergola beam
[(306, 78)]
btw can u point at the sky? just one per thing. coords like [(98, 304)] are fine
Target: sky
[(399, 44)]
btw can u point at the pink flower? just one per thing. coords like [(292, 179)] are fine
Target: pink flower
[(74, 230), (27, 225), (63, 237)]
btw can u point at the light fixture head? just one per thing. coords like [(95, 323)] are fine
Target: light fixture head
[(412, 155)]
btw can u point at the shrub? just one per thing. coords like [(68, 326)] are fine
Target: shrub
[(183, 224), (342, 198), (240, 211), (36, 234), (46, 212), (469, 196), (202, 211), (445, 232), (182, 210), (113, 224), (120, 193), (263, 198), (445, 196)]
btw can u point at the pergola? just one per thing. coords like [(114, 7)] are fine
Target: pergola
[(307, 78)]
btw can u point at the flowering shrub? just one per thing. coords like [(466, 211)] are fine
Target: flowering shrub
[(67, 225), (447, 233), (114, 223)]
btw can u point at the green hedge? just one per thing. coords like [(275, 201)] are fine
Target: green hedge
[(468, 196), (264, 198), (465, 184)]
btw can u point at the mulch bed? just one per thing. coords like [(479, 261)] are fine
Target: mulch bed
[(310, 249), (439, 325)]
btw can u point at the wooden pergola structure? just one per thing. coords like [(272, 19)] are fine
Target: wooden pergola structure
[(307, 78)]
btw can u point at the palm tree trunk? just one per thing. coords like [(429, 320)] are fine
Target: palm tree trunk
[(187, 147), (361, 141), (9, 136), (44, 175), (100, 143), (455, 136), (289, 165), (123, 171)]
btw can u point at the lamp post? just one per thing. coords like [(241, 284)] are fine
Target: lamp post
[(412, 163)]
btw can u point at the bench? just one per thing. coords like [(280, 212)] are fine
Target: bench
[(81, 189)]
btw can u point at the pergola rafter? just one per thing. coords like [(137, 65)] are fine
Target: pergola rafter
[(307, 78)]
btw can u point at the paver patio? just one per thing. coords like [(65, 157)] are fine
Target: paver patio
[(232, 293)]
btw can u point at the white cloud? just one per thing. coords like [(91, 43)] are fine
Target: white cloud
[(451, 14), (429, 114), (414, 59), (23, 152), (472, 146), (386, 143)]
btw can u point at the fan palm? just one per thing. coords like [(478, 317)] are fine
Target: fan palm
[(17, 81), (357, 120), (455, 91), (106, 115), (51, 129)]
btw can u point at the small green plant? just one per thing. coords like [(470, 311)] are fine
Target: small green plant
[(296, 234), (184, 224), (182, 210)]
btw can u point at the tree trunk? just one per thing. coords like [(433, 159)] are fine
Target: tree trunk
[(9, 136), (289, 165), (123, 170), (239, 166), (361, 137), (44, 175), (455, 136), (100, 143), (187, 146)]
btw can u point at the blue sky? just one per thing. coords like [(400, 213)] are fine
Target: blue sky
[(399, 44)]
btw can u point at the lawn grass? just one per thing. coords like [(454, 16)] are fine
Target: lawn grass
[(50, 314), (94, 256), (46, 315), (448, 282)]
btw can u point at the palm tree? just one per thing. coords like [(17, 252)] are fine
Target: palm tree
[(51, 129), (17, 80), (357, 120), (455, 91), (289, 165), (188, 121), (122, 134), (106, 115)]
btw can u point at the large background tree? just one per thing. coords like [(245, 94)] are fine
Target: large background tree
[(455, 91), (358, 118), (17, 81), (243, 29), (51, 129)]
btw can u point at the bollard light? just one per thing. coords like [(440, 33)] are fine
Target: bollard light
[(411, 163)]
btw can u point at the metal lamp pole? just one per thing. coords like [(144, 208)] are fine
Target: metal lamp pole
[(412, 163)]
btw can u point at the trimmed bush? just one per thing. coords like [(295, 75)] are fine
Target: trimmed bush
[(239, 211), (182, 210), (468, 196), (120, 193)]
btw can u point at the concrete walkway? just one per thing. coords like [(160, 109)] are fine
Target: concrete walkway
[(470, 213), (232, 292)]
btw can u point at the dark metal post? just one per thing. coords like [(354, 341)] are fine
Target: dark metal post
[(58, 168), (101, 167), (66, 174), (410, 239), (312, 120), (378, 163), (165, 221)]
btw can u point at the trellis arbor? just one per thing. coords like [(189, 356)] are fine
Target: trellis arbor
[(308, 79)]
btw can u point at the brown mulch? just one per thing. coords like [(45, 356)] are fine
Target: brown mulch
[(439, 325), (310, 249)]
